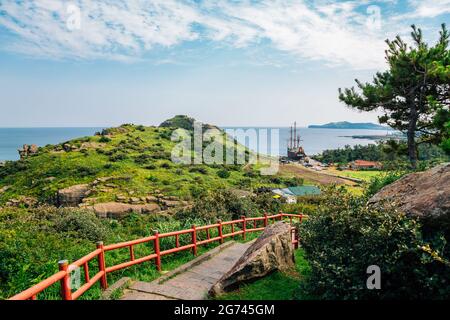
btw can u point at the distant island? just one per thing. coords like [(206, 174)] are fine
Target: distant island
[(349, 125)]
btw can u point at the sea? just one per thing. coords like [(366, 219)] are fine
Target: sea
[(314, 141)]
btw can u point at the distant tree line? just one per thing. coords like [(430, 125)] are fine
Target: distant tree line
[(388, 151)]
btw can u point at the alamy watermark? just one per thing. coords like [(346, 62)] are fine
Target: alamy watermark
[(374, 280), (73, 21), (212, 146)]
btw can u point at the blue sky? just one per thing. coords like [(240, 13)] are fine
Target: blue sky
[(231, 63)]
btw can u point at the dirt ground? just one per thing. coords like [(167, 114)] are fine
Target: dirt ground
[(312, 175)]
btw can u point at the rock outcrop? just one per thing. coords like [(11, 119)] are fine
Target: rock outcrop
[(425, 195), (28, 150), (118, 210), (72, 196), (4, 189), (22, 201), (272, 251)]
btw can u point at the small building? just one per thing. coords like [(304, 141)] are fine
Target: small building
[(291, 193), (363, 164)]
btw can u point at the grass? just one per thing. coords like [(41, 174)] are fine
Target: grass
[(139, 158), (362, 175), (276, 286)]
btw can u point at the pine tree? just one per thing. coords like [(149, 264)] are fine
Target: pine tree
[(413, 93)]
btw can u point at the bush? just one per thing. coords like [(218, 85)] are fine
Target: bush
[(378, 182), (224, 174), (210, 205), (117, 157), (104, 139), (198, 169), (82, 224), (345, 237), (165, 165)]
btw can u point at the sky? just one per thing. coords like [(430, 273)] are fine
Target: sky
[(230, 63)]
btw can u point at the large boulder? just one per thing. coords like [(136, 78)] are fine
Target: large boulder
[(118, 210), (272, 251), (73, 196), (28, 150), (425, 195)]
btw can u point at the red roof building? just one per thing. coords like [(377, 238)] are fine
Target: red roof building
[(363, 164)]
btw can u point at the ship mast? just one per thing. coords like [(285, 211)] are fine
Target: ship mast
[(290, 140), (295, 134)]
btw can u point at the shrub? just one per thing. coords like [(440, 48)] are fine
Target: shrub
[(85, 171), (345, 237), (142, 158), (107, 166), (210, 205), (117, 157), (198, 169), (224, 174), (104, 139), (378, 182), (84, 225), (165, 165)]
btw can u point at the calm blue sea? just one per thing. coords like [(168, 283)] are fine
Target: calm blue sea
[(12, 139), (314, 140)]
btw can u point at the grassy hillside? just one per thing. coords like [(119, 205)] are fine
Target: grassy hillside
[(138, 157)]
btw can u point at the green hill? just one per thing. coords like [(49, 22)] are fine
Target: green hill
[(127, 161), (349, 125)]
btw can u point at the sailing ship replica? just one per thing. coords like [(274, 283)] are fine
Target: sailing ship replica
[(295, 151)]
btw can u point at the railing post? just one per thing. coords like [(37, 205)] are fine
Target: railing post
[(244, 227), (102, 265), (194, 240), (177, 241), (220, 230), (265, 220), (157, 250), (66, 292)]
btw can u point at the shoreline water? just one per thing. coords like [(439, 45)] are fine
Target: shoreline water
[(314, 140)]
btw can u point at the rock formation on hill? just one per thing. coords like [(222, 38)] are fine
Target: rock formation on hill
[(272, 251), (118, 210), (72, 196), (28, 150), (425, 195)]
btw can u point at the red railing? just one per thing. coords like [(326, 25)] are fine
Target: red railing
[(65, 269)]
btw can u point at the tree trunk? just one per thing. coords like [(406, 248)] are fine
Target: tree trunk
[(411, 135), (412, 152)]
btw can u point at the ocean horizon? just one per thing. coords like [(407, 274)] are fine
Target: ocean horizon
[(314, 140)]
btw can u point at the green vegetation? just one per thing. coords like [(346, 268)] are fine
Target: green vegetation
[(137, 157), (413, 93), (364, 175), (391, 153), (276, 286), (32, 241), (345, 236)]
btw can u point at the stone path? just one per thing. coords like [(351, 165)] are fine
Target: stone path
[(191, 281)]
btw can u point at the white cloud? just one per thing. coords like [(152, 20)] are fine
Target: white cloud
[(325, 30), (429, 8)]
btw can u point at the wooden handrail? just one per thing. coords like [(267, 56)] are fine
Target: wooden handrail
[(63, 276)]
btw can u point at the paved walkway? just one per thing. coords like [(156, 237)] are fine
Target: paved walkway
[(191, 281)]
